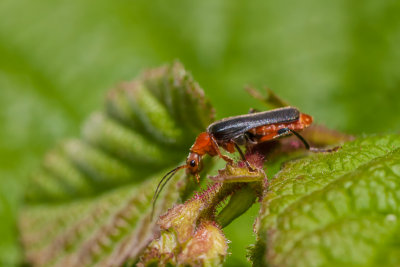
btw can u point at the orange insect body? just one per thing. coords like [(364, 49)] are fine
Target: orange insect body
[(204, 143), (228, 133), (210, 141), (269, 132)]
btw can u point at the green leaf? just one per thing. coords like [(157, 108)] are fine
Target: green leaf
[(90, 202), (148, 124), (336, 209)]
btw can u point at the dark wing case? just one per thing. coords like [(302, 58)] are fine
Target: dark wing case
[(232, 127)]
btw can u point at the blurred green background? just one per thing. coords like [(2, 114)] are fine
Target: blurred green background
[(337, 60)]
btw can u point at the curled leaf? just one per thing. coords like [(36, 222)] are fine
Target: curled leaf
[(90, 202), (207, 246), (190, 234)]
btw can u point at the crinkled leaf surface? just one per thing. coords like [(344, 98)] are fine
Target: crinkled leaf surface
[(337, 209), (90, 201)]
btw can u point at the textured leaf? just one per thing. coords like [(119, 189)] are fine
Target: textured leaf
[(334, 209), (140, 132), (90, 201)]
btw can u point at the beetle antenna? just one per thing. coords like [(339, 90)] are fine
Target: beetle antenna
[(161, 185)]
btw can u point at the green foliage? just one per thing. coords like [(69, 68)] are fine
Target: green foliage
[(335, 209), (91, 200), (145, 127), (336, 60)]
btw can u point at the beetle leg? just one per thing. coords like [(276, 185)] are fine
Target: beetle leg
[(243, 158), (250, 138), (216, 148), (285, 131), (197, 176)]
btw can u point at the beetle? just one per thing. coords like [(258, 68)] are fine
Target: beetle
[(229, 133)]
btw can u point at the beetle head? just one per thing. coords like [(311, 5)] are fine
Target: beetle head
[(193, 164)]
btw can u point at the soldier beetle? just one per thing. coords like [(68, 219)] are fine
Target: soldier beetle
[(229, 133)]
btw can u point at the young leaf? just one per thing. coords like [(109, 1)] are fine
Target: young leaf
[(334, 209), (191, 232), (91, 200)]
